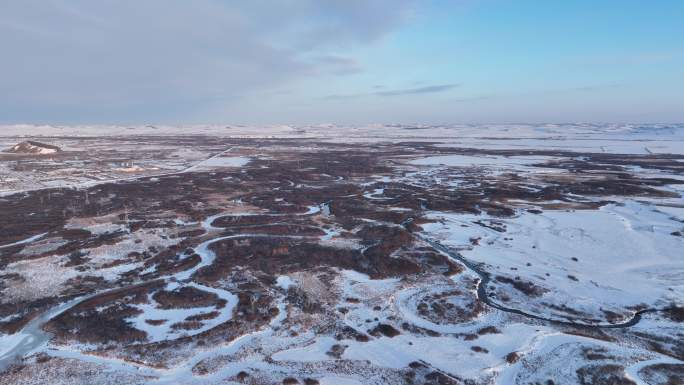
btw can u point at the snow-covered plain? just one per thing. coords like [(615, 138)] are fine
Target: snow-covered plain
[(563, 284), (615, 258)]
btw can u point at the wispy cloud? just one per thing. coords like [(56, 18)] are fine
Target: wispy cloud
[(419, 90), (123, 60), (433, 89)]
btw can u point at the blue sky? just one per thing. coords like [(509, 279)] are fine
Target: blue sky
[(351, 61)]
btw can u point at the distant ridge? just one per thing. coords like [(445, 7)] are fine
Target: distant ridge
[(33, 147)]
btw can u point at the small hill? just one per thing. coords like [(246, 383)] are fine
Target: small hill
[(33, 147)]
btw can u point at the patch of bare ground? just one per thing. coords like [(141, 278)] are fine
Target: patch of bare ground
[(420, 372), (669, 345), (610, 374), (311, 373), (276, 256), (349, 333), (255, 309), (512, 357), (526, 287), (43, 369), (102, 319), (675, 313), (449, 306), (18, 314), (384, 330), (663, 374), (590, 333), (597, 353), (572, 314), (187, 297)]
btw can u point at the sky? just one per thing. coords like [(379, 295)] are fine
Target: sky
[(340, 61)]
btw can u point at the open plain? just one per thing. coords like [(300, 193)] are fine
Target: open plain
[(388, 254)]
